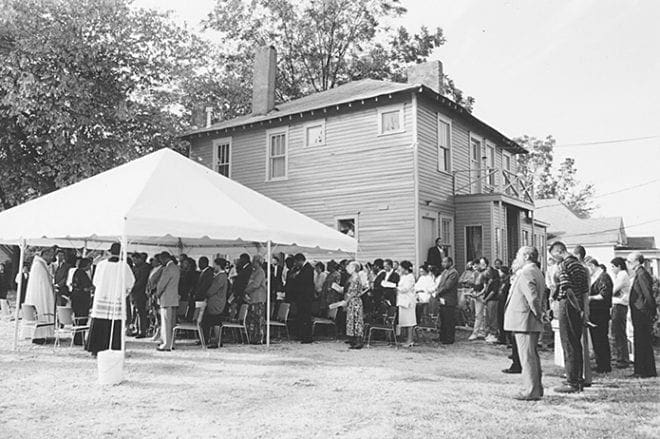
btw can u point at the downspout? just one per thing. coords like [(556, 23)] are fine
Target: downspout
[(415, 176)]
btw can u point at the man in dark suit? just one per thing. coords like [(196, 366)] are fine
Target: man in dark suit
[(60, 276), (216, 299), (523, 317), (390, 276), (436, 254), (205, 278), (243, 272), (303, 292), (642, 311), (138, 295), (447, 296)]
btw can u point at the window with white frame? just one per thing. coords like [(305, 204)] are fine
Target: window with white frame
[(525, 237), (506, 162), (446, 232), (444, 144), (277, 154), (348, 226), (315, 133), (390, 120), (222, 156)]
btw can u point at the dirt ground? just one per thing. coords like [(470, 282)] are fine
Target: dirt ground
[(308, 391)]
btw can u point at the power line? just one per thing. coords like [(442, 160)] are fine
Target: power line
[(608, 193), (604, 142), (609, 230)]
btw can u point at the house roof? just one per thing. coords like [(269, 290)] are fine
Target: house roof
[(572, 230), (639, 243), (349, 93)]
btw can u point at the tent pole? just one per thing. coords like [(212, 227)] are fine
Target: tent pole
[(268, 269), (123, 262), (19, 288)]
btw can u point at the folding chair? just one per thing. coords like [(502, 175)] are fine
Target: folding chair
[(388, 326), (31, 321), (329, 321), (281, 321), (195, 325), (67, 324), (239, 324)]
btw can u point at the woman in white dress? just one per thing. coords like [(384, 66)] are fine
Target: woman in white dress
[(424, 288), (406, 301)]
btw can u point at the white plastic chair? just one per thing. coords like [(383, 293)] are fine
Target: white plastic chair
[(66, 324)]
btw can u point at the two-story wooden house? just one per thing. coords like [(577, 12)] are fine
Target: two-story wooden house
[(396, 165)]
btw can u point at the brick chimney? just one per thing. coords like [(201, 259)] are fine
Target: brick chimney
[(428, 74), (263, 83)]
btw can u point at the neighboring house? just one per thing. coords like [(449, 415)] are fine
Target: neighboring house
[(599, 236), (395, 165), (646, 246)]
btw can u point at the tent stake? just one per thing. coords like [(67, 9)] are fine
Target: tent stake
[(19, 288)]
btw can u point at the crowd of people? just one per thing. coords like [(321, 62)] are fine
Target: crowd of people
[(504, 305)]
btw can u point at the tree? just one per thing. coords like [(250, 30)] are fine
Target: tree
[(85, 85), (324, 43), (537, 166)]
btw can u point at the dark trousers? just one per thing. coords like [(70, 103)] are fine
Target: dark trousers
[(570, 332), (305, 320), (643, 343), (209, 321), (515, 356), (601, 318), (501, 335), (447, 314), (619, 320)]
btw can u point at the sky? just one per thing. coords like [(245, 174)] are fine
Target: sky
[(583, 71)]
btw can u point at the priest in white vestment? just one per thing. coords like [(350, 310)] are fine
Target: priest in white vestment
[(39, 293), (107, 305)]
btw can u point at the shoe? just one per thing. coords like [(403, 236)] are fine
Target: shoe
[(160, 349), (473, 337), (212, 346), (510, 357), (491, 339), (567, 389), (357, 346), (511, 370), (526, 398), (447, 342)]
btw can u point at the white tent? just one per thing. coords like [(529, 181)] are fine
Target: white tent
[(164, 200)]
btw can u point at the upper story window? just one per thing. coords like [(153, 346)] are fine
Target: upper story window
[(390, 120), (277, 165), (506, 162), (444, 144), (222, 156), (490, 163), (315, 133)]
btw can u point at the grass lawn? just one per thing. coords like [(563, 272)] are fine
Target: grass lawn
[(309, 391)]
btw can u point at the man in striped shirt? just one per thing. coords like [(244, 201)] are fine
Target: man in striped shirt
[(571, 291)]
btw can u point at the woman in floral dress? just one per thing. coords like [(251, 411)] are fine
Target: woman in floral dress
[(354, 312)]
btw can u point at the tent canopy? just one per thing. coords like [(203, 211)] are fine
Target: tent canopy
[(165, 200)]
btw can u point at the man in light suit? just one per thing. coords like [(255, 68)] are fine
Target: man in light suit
[(523, 316), (167, 291), (447, 296)]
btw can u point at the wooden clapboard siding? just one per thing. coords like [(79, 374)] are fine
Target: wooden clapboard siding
[(357, 173), (201, 151)]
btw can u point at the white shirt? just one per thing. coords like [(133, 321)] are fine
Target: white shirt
[(622, 284)]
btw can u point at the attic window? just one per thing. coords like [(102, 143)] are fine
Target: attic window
[(315, 133), (390, 120)]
